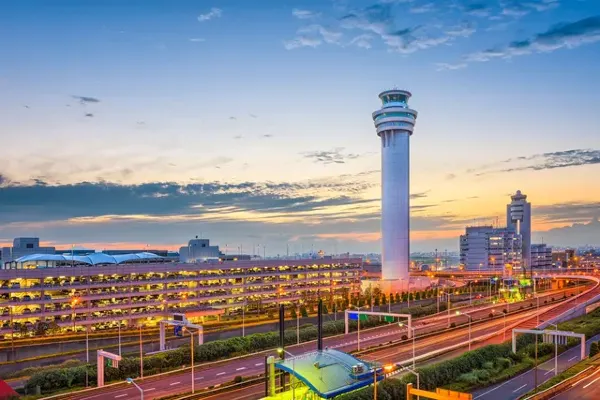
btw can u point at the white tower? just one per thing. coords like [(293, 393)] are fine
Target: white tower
[(394, 123)]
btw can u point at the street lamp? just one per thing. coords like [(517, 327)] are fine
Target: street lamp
[(470, 321), (358, 328), (555, 349), (401, 324), (281, 351), (130, 381), (191, 355)]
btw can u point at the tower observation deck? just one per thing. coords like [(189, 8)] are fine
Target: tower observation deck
[(394, 123)]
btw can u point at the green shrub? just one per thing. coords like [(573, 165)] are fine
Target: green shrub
[(488, 365), (594, 349), (503, 363)]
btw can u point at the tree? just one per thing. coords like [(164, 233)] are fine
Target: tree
[(418, 296), (376, 303), (303, 312), (325, 310), (383, 299), (594, 349), (293, 314), (397, 297)]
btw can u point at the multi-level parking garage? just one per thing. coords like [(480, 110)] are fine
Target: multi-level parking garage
[(71, 293)]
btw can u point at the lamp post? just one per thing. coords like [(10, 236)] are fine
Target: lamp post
[(470, 321), (243, 318), (298, 322), (191, 355), (130, 381), (141, 355), (358, 328), (555, 349), (413, 341), (119, 337), (281, 351), (12, 332)]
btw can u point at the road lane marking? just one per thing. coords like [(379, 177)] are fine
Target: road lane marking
[(571, 359), (221, 373), (591, 382), (121, 395), (240, 369), (583, 379), (200, 377), (174, 383), (519, 388), (549, 372), (258, 364)]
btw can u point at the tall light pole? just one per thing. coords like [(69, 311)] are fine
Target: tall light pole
[(130, 381), (191, 356), (555, 349), (470, 321), (119, 337), (298, 322), (413, 341), (243, 318), (141, 355)]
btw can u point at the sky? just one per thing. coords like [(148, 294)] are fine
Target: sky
[(145, 123)]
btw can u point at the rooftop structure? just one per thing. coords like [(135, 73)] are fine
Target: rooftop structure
[(23, 246), (51, 260), (394, 123), (329, 373)]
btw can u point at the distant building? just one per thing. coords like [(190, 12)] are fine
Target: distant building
[(489, 248), (564, 258), (541, 256), (199, 250), (518, 218), (24, 246)]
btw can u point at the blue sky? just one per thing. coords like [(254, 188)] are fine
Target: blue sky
[(152, 121)]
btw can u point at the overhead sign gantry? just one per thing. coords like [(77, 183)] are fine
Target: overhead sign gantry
[(179, 322)]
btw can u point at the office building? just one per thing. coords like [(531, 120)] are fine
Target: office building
[(487, 248), (518, 217), (541, 256), (394, 123), (102, 291), (23, 246)]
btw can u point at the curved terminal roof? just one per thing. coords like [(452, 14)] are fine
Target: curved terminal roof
[(91, 259), (328, 373)]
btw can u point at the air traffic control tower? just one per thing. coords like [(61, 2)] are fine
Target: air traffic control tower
[(395, 122)]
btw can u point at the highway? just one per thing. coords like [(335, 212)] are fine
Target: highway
[(584, 389), (521, 384), (215, 373)]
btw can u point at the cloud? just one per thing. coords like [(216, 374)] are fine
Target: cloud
[(301, 41), (304, 14), (519, 8), (3, 180), (238, 137), (567, 212), (334, 156), (564, 35), (212, 13), (450, 177), (232, 118), (465, 29), (268, 135), (197, 40), (363, 41), (378, 19), (476, 9), (572, 235), (450, 67), (423, 8), (86, 99), (89, 115), (253, 116), (543, 161), (313, 36)]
